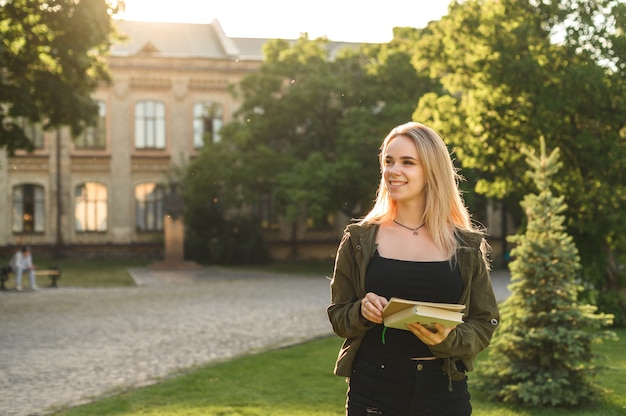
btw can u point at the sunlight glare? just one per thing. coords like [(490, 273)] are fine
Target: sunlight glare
[(346, 20)]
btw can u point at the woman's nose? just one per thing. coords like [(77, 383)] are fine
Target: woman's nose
[(392, 169)]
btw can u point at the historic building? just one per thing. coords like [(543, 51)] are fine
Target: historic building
[(102, 193)]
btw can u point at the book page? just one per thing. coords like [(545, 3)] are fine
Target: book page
[(398, 304)]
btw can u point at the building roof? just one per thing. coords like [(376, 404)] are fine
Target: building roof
[(192, 40), (250, 48), (174, 40)]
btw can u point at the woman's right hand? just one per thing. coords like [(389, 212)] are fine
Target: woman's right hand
[(372, 307)]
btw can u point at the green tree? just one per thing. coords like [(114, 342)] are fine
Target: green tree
[(308, 130), (220, 230), (52, 57), (516, 70), (541, 354), (294, 111)]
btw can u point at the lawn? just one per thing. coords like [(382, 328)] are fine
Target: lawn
[(298, 381), (85, 273), (295, 381), (110, 273)]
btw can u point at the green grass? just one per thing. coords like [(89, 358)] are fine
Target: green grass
[(111, 273), (298, 381), (294, 381), (97, 273), (86, 273)]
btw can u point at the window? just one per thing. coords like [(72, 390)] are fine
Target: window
[(90, 207), (34, 132), (149, 125), (320, 223), (149, 207), (267, 212), (28, 209), (94, 137), (207, 123)]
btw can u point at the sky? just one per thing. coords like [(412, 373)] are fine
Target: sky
[(340, 20)]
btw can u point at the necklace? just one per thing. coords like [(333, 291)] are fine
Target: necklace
[(409, 228)]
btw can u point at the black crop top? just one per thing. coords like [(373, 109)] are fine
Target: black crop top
[(429, 281)]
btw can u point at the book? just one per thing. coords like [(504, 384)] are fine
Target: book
[(400, 312)]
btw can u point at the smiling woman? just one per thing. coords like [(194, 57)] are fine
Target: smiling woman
[(418, 243), (281, 19)]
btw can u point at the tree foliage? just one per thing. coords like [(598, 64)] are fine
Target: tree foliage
[(52, 57), (308, 132), (294, 112), (219, 229), (516, 70), (541, 354)]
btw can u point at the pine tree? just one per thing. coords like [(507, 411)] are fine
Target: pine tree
[(541, 354)]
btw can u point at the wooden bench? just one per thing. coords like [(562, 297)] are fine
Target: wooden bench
[(53, 272), (5, 271)]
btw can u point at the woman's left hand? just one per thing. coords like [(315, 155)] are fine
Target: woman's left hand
[(427, 336)]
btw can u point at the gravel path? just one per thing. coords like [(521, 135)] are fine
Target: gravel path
[(67, 346)]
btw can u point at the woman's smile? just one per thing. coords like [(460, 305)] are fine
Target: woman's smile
[(395, 184)]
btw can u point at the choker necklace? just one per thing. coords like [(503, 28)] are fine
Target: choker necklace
[(409, 228)]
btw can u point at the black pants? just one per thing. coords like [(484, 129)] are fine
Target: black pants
[(405, 388)]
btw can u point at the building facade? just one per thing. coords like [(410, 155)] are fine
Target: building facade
[(103, 191)]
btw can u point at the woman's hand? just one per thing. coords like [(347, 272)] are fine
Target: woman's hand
[(372, 307), (427, 336)]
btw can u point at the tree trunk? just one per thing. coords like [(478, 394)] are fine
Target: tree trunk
[(294, 240)]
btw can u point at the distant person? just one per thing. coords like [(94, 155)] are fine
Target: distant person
[(418, 243), (23, 262)]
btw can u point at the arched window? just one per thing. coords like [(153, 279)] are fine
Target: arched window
[(94, 137), (90, 207), (149, 125), (207, 123), (28, 209), (149, 209)]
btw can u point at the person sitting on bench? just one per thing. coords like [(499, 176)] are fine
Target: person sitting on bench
[(21, 262)]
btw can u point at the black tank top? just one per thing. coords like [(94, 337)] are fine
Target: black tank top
[(427, 281)]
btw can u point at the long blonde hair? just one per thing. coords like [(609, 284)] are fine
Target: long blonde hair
[(445, 212)]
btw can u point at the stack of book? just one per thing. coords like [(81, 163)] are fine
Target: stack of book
[(400, 312)]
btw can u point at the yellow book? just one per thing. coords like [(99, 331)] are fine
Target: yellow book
[(400, 312)]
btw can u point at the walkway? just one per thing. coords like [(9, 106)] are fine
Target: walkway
[(67, 346)]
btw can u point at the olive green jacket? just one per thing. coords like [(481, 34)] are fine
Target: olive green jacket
[(348, 287)]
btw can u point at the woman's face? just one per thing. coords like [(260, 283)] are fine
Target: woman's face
[(403, 171)]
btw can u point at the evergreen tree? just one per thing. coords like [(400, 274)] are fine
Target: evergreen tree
[(541, 355)]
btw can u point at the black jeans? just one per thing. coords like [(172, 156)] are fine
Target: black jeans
[(404, 388)]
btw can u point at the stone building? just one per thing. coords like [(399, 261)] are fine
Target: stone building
[(102, 193)]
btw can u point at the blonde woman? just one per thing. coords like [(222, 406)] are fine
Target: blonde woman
[(417, 243)]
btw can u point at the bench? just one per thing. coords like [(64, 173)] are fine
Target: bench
[(4, 276), (53, 272)]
